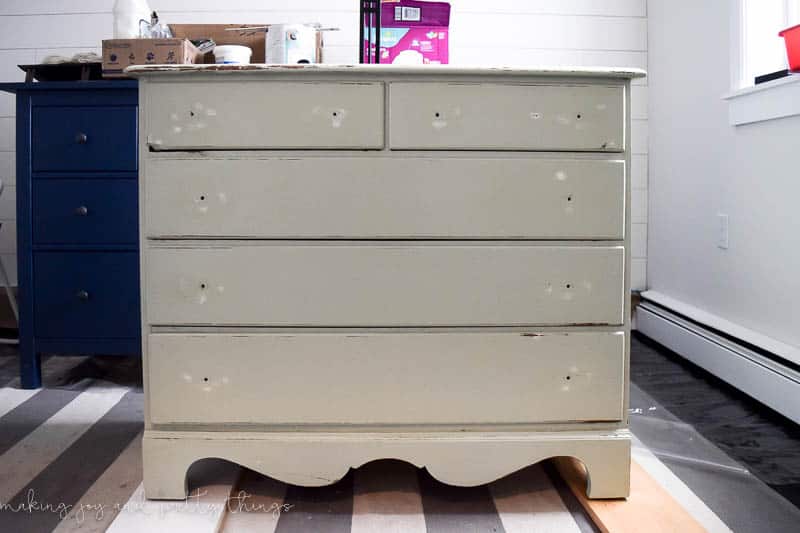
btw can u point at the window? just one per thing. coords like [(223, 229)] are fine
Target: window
[(756, 49), (761, 51)]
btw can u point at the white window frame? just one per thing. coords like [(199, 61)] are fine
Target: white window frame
[(772, 100), (791, 13)]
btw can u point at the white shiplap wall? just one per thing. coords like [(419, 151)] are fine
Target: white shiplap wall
[(496, 32)]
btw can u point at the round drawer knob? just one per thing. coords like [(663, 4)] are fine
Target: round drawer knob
[(81, 138), (82, 295), (82, 211)]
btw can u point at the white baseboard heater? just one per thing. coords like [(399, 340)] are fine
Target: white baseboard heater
[(762, 375)]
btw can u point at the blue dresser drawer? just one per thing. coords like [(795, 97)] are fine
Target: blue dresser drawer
[(81, 211), (83, 138), (86, 294)]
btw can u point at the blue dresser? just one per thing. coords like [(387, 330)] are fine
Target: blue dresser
[(77, 220)]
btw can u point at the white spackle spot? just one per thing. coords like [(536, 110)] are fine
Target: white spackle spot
[(439, 123), (535, 115), (187, 378), (548, 288), (176, 129), (337, 117), (564, 388), (208, 388), (174, 116), (561, 119), (225, 380), (587, 285), (611, 144), (211, 112), (569, 210), (220, 289), (601, 107), (561, 175), (202, 298), (573, 369), (567, 295), (223, 198)]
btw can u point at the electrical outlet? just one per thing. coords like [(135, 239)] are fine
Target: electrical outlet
[(722, 229)]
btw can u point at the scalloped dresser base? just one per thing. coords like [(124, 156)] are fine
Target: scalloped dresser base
[(316, 459)]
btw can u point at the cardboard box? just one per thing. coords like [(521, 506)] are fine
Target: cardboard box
[(254, 39), (121, 53)]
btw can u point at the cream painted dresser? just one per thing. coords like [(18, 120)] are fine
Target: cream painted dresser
[(343, 264)]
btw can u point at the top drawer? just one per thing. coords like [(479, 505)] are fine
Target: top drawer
[(492, 116), (265, 115), (84, 138)]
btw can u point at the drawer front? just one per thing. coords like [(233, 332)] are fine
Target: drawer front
[(86, 294), (386, 197), (97, 211), (389, 284), (506, 117), (384, 378), (84, 138), (265, 115)]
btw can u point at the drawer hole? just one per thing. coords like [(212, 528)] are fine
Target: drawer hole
[(579, 116), (202, 285), (437, 114), (569, 198), (569, 285), (202, 197), (205, 380), (568, 378), (191, 113)]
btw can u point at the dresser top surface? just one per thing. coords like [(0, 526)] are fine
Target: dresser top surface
[(379, 71)]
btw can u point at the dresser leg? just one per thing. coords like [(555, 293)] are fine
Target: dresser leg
[(30, 365), (608, 470), (164, 469), (165, 482)]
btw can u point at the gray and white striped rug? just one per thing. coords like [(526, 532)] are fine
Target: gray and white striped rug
[(70, 460)]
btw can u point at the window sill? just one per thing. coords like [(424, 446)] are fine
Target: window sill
[(767, 101)]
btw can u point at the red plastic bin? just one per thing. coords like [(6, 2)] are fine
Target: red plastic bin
[(792, 38)]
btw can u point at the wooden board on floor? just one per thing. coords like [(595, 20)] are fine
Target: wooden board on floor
[(649, 506)]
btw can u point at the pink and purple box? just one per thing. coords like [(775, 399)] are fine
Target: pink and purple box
[(412, 32)]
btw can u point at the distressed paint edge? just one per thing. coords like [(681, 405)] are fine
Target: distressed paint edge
[(569, 71)]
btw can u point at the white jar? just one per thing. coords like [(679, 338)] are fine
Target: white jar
[(127, 14), (232, 54)]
